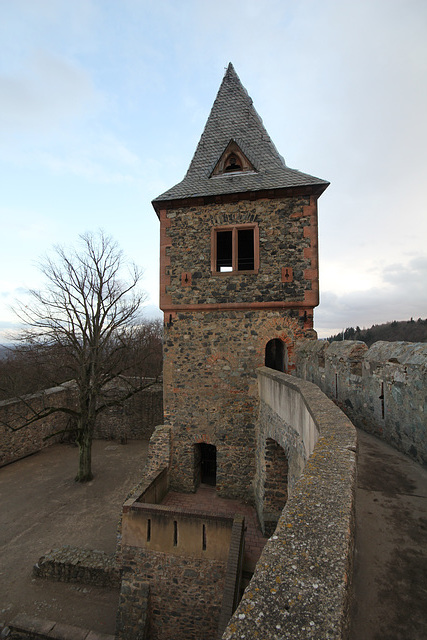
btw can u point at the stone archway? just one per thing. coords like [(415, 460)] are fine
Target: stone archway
[(275, 484), (276, 355)]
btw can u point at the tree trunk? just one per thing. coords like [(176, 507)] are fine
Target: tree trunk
[(84, 441)]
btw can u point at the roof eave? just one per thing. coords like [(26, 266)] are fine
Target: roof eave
[(277, 192)]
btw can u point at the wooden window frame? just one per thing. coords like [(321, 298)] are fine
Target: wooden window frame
[(234, 228)]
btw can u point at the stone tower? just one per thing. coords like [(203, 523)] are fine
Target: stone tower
[(238, 285)]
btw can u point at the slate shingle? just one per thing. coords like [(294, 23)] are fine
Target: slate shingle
[(233, 117)]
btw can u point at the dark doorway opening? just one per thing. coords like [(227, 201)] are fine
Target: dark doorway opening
[(276, 355), (207, 464)]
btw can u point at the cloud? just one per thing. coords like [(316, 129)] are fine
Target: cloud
[(401, 295), (48, 90)]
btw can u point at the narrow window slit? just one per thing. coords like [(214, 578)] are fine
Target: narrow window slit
[(148, 529), (382, 401), (204, 538), (175, 533)]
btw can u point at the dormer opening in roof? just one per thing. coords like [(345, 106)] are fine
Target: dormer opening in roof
[(232, 163), (232, 160)]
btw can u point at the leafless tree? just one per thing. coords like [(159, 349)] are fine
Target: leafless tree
[(87, 314)]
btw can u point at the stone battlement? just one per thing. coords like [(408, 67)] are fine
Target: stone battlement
[(382, 389)]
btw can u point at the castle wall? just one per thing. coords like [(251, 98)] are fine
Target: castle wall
[(185, 593), (301, 587), (24, 442), (134, 421), (210, 389), (382, 389)]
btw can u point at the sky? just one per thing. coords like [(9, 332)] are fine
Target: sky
[(102, 104)]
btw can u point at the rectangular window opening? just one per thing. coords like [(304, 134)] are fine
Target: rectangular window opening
[(235, 248), (245, 250), (175, 533), (224, 251)]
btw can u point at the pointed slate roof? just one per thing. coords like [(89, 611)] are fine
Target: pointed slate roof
[(233, 117)]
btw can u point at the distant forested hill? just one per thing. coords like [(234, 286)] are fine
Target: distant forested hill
[(406, 330)]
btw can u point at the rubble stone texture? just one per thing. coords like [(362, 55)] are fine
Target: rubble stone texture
[(218, 323), (382, 389)]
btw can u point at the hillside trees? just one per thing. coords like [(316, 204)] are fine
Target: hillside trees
[(407, 331), (83, 327)]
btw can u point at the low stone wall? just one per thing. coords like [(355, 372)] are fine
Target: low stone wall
[(302, 582), (83, 566), (155, 474), (233, 577), (24, 442), (382, 389), (176, 531), (135, 420)]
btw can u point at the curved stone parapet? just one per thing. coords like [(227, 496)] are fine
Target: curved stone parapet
[(301, 585)]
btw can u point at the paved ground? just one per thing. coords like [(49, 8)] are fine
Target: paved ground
[(41, 507), (391, 545)]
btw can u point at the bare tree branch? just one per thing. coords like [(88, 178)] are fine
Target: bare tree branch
[(87, 313)]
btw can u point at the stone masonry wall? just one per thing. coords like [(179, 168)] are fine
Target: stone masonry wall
[(185, 593), (287, 238), (382, 389), (210, 389), (72, 564), (21, 443), (302, 583), (135, 420)]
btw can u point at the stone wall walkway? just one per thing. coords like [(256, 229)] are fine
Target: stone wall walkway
[(390, 577)]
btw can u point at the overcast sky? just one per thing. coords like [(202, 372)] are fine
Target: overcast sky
[(102, 104)]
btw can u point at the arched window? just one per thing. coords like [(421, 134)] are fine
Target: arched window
[(276, 355)]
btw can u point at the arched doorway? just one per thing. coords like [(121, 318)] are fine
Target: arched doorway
[(276, 355), (275, 484)]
